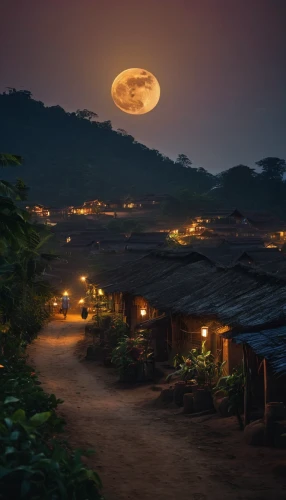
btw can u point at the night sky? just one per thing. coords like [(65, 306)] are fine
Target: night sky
[(221, 65)]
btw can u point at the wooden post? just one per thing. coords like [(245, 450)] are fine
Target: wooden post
[(266, 386), (246, 387)]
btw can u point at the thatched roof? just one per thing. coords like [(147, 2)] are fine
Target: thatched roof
[(146, 241), (262, 256), (193, 285), (269, 344), (278, 268), (90, 238), (146, 238)]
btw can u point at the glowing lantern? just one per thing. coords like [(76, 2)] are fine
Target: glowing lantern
[(204, 331), (81, 301), (143, 312)]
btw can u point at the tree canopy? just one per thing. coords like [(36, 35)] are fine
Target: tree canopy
[(72, 157)]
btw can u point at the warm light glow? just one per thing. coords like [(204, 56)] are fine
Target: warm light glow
[(68, 239), (55, 304), (83, 278), (65, 293), (204, 331), (143, 312), (100, 292), (135, 91), (81, 301)]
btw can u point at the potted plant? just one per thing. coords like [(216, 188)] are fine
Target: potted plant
[(232, 388), (130, 358), (201, 367)]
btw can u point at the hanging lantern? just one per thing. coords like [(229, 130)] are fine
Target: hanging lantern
[(204, 331), (143, 312)]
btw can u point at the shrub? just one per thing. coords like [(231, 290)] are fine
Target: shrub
[(35, 462), (130, 352), (202, 365), (232, 386)]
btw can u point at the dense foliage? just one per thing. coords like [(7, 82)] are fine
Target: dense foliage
[(232, 387), (200, 365), (34, 463), (131, 351), (70, 157)]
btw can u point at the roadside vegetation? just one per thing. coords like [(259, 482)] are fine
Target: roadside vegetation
[(35, 460)]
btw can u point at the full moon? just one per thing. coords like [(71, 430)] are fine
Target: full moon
[(135, 91)]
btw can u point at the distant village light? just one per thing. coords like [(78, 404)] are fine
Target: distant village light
[(83, 278), (204, 331), (100, 292), (81, 301), (143, 312)]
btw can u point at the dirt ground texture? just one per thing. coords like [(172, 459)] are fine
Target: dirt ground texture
[(142, 452)]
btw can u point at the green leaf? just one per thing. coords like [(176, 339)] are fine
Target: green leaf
[(40, 418), (14, 436), (11, 399), (8, 422), (18, 416), (9, 449)]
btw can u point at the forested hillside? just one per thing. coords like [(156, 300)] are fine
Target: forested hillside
[(72, 157)]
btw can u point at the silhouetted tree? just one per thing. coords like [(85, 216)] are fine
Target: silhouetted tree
[(184, 160), (273, 168), (82, 159), (86, 114)]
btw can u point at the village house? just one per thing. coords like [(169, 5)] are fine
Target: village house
[(88, 208), (234, 223), (186, 298), (145, 242)]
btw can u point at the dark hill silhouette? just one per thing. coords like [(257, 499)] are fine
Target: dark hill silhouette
[(69, 157)]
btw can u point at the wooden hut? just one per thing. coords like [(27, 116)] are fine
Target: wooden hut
[(264, 366), (193, 290)]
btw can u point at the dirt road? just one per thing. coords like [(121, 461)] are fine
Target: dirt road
[(138, 455)]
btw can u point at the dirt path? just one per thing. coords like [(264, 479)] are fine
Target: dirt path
[(138, 456)]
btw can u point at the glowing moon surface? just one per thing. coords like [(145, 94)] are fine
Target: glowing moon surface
[(135, 91)]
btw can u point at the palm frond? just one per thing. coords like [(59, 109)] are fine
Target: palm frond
[(8, 160)]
